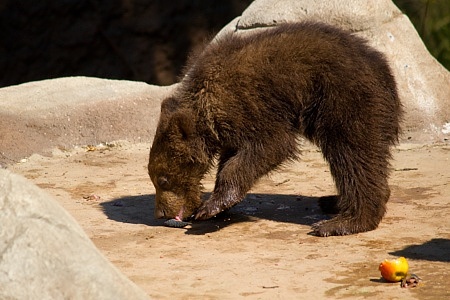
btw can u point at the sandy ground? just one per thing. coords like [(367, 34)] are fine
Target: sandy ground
[(262, 248)]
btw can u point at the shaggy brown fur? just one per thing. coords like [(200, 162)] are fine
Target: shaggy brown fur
[(247, 100)]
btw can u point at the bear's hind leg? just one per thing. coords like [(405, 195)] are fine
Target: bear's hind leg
[(361, 179), (329, 204)]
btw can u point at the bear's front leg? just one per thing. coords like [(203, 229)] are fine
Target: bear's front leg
[(216, 204), (237, 171)]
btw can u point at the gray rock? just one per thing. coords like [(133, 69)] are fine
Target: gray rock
[(354, 15), (44, 253), (37, 116), (424, 84)]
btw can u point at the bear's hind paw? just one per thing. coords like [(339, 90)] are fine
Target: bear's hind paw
[(340, 226)]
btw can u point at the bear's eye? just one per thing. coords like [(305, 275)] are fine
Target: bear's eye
[(163, 182)]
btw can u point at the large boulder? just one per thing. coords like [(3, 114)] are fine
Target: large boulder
[(38, 116), (44, 253), (424, 84)]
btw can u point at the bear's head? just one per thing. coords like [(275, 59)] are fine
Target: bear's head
[(177, 162)]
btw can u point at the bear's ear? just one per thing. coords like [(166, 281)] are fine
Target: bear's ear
[(184, 123), (169, 105)]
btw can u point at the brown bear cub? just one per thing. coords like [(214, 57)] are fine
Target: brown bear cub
[(246, 100)]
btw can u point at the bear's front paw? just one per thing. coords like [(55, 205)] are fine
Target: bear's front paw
[(207, 210)]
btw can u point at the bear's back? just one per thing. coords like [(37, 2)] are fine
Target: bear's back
[(287, 50), (293, 74)]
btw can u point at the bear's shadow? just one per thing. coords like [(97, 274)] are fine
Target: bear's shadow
[(276, 207)]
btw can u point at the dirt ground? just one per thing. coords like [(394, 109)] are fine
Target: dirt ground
[(262, 248)]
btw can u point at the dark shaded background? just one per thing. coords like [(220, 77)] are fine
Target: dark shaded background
[(143, 40)]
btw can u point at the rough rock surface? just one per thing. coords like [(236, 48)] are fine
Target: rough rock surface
[(44, 253), (263, 248), (38, 116), (424, 84)]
